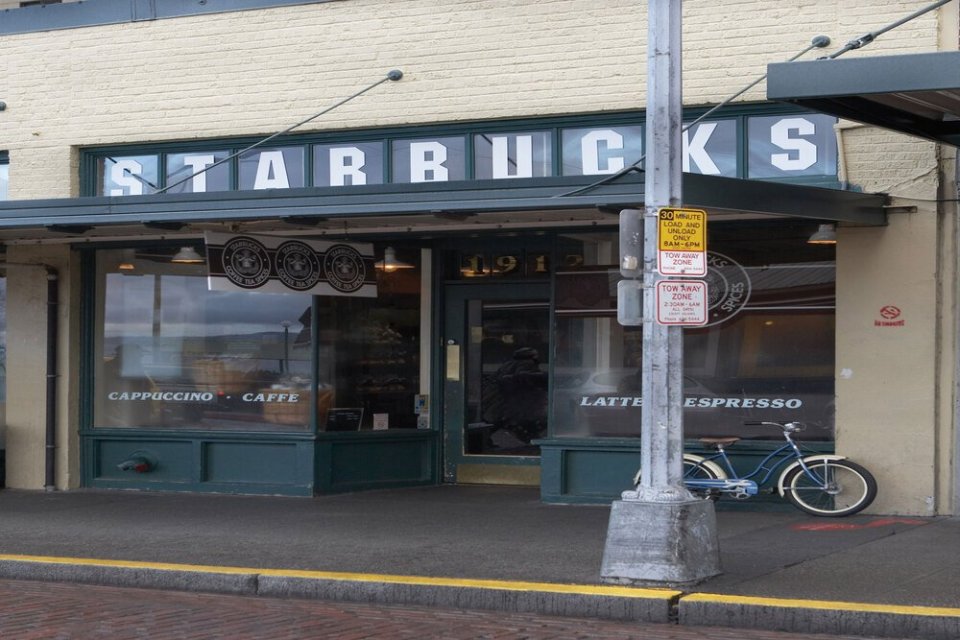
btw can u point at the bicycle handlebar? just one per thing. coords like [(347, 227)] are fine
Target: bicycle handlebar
[(786, 426)]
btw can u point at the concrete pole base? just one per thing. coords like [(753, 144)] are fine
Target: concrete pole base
[(661, 543)]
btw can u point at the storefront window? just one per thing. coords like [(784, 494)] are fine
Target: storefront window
[(767, 352), (338, 165), (4, 176), (198, 172), (791, 146), (429, 160), (513, 155), (172, 354), (588, 152), (278, 168), (129, 175)]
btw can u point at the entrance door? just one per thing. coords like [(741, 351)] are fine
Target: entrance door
[(495, 382)]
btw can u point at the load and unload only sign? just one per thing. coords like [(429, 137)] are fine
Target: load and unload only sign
[(682, 242)]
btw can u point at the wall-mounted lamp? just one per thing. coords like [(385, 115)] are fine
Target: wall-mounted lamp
[(390, 263), (128, 259), (825, 234), (187, 255)]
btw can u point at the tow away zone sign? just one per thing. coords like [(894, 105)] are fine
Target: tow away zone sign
[(682, 302), (682, 242)]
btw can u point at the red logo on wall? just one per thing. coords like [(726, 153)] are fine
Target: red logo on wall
[(889, 314)]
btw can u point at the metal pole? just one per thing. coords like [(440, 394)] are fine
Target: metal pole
[(661, 422), (660, 534)]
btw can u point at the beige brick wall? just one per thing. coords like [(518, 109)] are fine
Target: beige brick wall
[(255, 72)]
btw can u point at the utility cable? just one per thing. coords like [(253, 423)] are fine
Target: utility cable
[(392, 75), (867, 38), (818, 42)]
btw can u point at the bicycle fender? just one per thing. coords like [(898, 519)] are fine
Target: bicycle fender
[(713, 467), (786, 472)]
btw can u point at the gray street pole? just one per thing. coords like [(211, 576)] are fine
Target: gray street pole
[(662, 373), (659, 534)]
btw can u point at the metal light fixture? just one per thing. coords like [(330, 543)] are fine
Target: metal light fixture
[(128, 259), (390, 263), (825, 234), (187, 255)]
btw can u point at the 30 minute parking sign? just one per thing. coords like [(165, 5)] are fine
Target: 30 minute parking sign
[(682, 242)]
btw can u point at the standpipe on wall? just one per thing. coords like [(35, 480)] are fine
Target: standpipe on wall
[(53, 293)]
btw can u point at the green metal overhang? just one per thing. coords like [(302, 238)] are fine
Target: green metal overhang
[(531, 201), (916, 94)]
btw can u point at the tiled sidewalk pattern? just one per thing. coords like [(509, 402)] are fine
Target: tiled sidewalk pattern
[(44, 610)]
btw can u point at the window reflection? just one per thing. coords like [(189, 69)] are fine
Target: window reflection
[(507, 361), (279, 168), (198, 172), (4, 178), (767, 353), (513, 155), (129, 175), (171, 354), (597, 151), (429, 160)]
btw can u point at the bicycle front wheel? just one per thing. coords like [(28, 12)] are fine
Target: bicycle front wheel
[(835, 488)]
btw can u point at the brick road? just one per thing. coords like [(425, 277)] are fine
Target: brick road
[(47, 610)]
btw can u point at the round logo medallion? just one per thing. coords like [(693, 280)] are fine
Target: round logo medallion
[(246, 262), (344, 268), (298, 266), (728, 288)]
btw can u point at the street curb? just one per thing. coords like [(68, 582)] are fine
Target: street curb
[(577, 600), (126, 574), (820, 616)]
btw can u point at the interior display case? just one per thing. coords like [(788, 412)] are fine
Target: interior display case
[(373, 359)]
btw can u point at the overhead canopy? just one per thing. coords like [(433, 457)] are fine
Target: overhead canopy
[(433, 206), (916, 94)]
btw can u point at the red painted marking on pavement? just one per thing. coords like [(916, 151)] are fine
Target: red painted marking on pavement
[(825, 526), (883, 522), (849, 526)]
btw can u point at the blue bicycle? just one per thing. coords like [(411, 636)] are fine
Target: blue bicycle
[(819, 484)]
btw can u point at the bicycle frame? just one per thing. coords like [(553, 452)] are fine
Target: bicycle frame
[(745, 486)]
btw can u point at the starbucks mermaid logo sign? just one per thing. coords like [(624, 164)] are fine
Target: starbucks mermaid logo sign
[(728, 288), (274, 264)]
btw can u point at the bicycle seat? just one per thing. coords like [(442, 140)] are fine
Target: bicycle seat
[(718, 442)]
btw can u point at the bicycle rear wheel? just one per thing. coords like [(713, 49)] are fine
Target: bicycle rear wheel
[(838, 488)]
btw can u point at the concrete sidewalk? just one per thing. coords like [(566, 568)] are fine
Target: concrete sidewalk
[(490, 547)]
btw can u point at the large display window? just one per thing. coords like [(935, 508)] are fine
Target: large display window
[(767, 352), (171, 354)]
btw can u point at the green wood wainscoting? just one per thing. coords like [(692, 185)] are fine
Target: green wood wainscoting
[(288, 464), (597, 470)]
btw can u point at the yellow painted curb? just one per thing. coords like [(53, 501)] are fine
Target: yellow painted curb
[(507, 585), (830, 605)]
